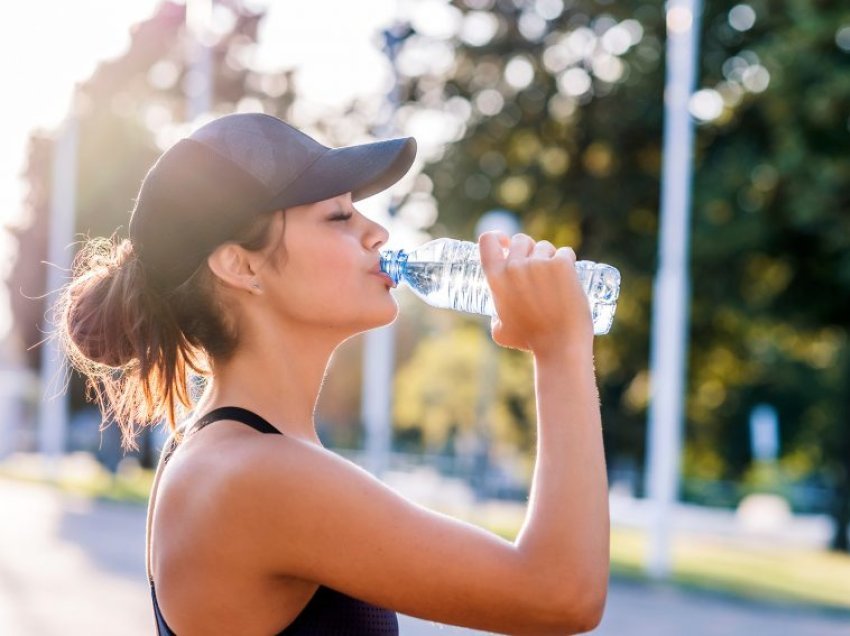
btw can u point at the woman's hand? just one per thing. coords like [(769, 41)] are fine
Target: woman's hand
[(540, 302)]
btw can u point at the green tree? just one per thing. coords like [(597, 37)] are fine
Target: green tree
[(129, 111), (561, 111), (771, 242), (438, 390), (562, 125)]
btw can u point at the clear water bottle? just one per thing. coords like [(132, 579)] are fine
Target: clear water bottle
[(447, 273)]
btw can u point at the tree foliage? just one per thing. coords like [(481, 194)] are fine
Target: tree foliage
[(129, 110), (442, 391), (558, 109)]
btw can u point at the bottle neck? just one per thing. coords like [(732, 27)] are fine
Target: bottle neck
[(393, 263)]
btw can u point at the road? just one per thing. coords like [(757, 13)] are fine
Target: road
[(76, 566)]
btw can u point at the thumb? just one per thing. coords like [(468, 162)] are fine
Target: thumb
[(491, 248)]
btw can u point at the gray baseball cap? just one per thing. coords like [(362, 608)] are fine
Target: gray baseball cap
[(204, 189)]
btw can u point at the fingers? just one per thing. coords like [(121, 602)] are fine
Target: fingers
[(491, 248), (566, 253), (522, 245), (544, 249)]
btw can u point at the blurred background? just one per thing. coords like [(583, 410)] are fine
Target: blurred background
[(730, 502)]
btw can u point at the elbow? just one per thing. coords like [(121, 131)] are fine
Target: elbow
[(566, 604), (588, 615), (580, 609)]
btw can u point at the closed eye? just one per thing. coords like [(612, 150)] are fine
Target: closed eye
[(341, 217)]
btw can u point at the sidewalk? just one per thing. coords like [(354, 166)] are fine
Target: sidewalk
[(74, 566)]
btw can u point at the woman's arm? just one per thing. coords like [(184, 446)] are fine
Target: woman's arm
[(542, 308), (567, 523), (294, 509)]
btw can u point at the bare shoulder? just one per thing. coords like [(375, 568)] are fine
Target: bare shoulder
[(299, 510)]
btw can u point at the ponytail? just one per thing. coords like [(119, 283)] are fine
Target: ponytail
[(124, 337), (136, 345)]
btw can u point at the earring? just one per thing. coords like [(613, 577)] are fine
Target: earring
[(255, 285)]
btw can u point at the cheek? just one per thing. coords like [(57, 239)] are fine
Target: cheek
[(354, 296), (327, 282), (328, 287)]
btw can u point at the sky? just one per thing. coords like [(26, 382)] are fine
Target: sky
[(49, 45)]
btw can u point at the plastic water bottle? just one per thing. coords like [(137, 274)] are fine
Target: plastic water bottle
[(447, 273)]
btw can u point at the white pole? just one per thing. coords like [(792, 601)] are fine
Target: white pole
[(376, 412), (506, 222), (198, 86), (53, 412), (670, 306), (379, 344)]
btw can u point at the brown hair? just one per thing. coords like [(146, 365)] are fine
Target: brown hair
[(137, 346)]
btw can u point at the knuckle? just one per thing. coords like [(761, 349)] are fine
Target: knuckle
[(513, 267)]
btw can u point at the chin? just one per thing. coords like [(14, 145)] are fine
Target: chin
[(379, 315), (383, 314), (389, 315)]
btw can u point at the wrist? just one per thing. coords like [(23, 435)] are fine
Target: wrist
[(569, 352)]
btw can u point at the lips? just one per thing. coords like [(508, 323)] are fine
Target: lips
[(376, 270)]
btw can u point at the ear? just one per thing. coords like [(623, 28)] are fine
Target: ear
[(232, 265)]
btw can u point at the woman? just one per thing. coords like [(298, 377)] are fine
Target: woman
[(249, 264)]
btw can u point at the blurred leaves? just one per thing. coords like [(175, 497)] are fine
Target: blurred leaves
[(554, 110), (438, 391), (564, 122), (131, 109)]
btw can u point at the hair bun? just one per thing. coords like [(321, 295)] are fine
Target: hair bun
[(104, 306)]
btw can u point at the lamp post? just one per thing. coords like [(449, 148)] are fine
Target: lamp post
[(198, 84), (379, 344), (508, 223), (670, 297), (53, 411)]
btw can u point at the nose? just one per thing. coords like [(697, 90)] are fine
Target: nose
[(376, 235)]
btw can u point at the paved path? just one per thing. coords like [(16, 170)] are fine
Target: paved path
[(72, 566)]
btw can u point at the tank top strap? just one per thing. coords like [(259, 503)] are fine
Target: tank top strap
[(234, 413), (237, 414)]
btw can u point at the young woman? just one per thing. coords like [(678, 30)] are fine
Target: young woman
[(249, 264)]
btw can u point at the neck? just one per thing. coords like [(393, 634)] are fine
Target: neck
[(276, 376)]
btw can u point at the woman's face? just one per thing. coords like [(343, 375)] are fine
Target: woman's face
[(327, 274)]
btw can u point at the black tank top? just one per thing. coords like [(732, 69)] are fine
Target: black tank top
[(328, 612)]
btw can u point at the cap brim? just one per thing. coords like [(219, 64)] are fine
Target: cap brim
[(363, 170)]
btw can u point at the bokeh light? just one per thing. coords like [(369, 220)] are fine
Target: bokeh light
[(842, 38), (478, 28), (549, 9), (489, 102), (756, 78), (532, 26), (574, 82), (436, 19), (706, 104), (519, 72), (679, 19), (742, 17)]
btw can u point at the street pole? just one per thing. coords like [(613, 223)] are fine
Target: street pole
[(508, 223), (53, 411), (379, 344), (198, 85), (671, 293), (376, 414)]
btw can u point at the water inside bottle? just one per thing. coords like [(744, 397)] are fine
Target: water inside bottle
[(449, 275), (602, 285), (457, 281)]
